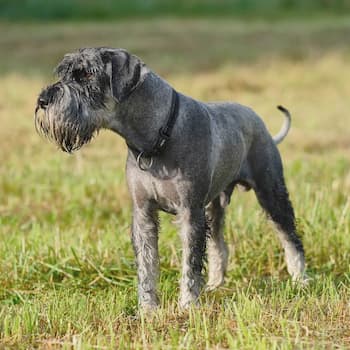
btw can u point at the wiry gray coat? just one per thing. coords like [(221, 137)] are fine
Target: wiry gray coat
[(213, 147)]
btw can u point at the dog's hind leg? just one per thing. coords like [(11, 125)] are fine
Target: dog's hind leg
[(273, 196), (217, 248)]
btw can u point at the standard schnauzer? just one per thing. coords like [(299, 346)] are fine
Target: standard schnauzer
[(184, 157)]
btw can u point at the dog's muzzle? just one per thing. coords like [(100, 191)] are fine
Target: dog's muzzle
[(59, 116), (47, 96)]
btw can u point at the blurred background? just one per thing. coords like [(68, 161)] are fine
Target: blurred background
[(61, 215)]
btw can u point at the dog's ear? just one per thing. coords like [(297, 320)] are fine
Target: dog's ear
[(126, 72)]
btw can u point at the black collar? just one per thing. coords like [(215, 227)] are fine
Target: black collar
[(164, 132)]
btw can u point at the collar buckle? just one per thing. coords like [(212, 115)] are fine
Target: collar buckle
[(163, 137)]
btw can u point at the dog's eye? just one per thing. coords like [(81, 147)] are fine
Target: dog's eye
[(81, 74)]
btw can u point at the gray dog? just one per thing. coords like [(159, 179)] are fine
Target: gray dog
[(184, 157)]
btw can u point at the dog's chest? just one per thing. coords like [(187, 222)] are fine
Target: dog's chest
[(168, 191), (167, 194)]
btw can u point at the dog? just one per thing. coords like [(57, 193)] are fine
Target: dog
[(185, 157)]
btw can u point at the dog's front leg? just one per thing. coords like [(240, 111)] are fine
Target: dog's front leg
[(193, 236), (145, 243)]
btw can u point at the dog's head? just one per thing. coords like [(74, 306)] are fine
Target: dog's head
[(91, 80)]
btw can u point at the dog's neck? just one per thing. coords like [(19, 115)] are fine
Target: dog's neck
[(139, 118)]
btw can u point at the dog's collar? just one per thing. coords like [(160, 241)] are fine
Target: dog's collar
[(163, 136)]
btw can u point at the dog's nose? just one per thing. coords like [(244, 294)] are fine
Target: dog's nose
[(46, 96), (42, 102)]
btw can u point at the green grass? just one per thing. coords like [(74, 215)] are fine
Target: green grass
[(109, 9), (67, 273), (172, 46)]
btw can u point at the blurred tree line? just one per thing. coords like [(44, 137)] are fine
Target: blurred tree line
[(109, 9)]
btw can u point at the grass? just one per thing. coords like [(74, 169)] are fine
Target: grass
[(167, 46), (109, 9), (67, 274)]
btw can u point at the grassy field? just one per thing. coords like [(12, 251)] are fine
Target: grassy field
[(67, 274), (110, 9)]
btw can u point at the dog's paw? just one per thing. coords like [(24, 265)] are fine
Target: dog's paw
[(149, 311), (212, 285), (302, 280), (188, 303)]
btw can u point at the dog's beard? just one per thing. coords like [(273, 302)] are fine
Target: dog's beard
[(66, 122)]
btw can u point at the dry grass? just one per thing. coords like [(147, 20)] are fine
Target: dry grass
[(67, 277)]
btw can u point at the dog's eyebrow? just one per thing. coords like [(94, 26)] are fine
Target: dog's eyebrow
[(65, 66)]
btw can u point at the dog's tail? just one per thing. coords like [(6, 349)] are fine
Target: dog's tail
[(278, 138)]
